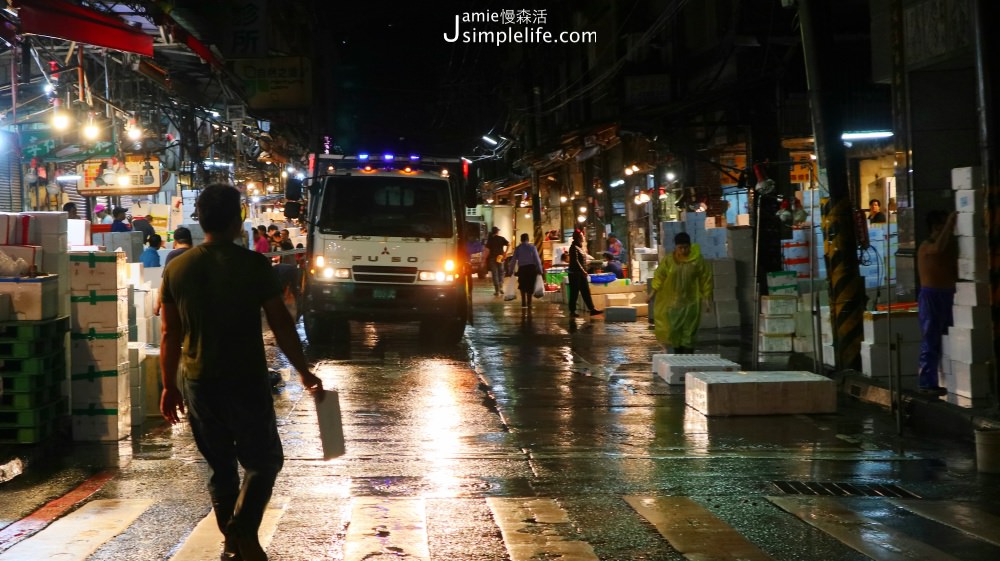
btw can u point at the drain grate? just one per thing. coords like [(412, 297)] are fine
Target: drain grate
[(842, 489)]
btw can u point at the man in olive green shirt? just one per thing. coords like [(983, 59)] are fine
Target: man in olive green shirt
[(211, 299)]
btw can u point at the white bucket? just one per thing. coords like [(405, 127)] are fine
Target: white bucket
[(988, 450)]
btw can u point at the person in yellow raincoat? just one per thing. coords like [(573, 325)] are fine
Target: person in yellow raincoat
[(682, 285)]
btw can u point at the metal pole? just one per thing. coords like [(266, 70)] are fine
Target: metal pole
[(897, 387), (756, 292)]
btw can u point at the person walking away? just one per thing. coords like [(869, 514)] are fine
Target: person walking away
[(496, 252), (150, 256), (875, 214), (529, 266), (937, 269), (682, 284), (118, 223), (212, 297), (182, 242), (579, 280)]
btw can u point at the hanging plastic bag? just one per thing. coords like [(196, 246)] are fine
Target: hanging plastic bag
[(510, 285), (539, 287)]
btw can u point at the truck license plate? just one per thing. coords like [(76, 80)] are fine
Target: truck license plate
[(380, 293)]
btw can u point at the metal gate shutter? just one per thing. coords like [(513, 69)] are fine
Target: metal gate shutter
[(10, 174)]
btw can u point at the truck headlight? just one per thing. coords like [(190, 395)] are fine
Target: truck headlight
[(439, 276), (342, 273)]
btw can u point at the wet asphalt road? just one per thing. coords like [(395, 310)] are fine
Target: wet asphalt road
[(533, 407)]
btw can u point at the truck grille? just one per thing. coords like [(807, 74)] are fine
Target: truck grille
[(394, 275)]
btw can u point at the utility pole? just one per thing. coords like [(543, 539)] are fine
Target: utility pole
[(847, 289)]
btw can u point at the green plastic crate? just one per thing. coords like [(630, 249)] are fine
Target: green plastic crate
[(23, 383), (31, 330), (32, 365), (27, 400), (26, 435), (31, 417)]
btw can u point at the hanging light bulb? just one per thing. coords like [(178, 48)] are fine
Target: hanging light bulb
[(563, 199), (581, 219), (124, 179), (90, 130), (60, 119), (132, 130)]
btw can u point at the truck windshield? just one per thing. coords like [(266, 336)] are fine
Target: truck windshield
[(386, 206)]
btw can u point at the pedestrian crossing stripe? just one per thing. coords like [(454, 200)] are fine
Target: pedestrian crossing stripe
[(395, 527), (963, 517), (863, 534), (694, 531), (205, 542), (529, 529), (79, 534)]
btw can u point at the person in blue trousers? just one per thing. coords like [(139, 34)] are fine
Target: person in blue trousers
[(937, 267)]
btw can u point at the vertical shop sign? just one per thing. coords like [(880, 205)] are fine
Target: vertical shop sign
[(247, 36)]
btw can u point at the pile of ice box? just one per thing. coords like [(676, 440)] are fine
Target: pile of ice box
[(760, 393), (673, 367)]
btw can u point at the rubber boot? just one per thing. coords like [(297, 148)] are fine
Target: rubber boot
[(247, 516)]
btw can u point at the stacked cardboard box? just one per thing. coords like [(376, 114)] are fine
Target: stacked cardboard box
[(100, 398), (673, 367), (760, 393), (878, 353), (966, 374)]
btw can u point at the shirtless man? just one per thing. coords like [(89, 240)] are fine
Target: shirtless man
[(937, 266)]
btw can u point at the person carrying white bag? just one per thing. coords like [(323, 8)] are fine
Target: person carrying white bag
[(529, 270)]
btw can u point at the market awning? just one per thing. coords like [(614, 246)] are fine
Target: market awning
[(62, 20)]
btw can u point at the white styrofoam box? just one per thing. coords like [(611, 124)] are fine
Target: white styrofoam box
[(795, 250), (100, 309), (829, 355), (152, 382), (155, 329), (78, 232), (802, 344), (723, 293), (760, 393), (152, 275), (129, 242), (973, 270), (641, 310), (32, 298), (98, 350), (973, 248), (785, 290), (136, 354), (57, 263), (779, 304), (136, 407), (945, 347), (966, 178), (743, 219), (50, 222), (972, 293), (727, 315), (33, 255), (55, 243), (775, 343), (144, 301), (96, 270), (968, 200), (673, 367), (970, 345), (969, 379), (725, 281), (8, 220), (26, 230), (879, 327), (97, 422), (145, 332), (777, 324), (725, 266), (619, 299), (707, 321), (620, 313), (109, 387), (781, 278), (970, 224), (972, 317), (875, 361)]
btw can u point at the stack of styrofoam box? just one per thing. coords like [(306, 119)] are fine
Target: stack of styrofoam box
[(673, 368), (777, 322), (826, 336), (78, 232), (968, 347), (129, 242), (51, 234), (740, 247), (812, 295), (136, 383), (760, 393), (647, 261), (726, 312), (882, 331), (140, 324), (796, 253), (99, 347), (970, 340)]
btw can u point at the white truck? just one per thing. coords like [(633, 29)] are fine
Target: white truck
[(386, 243)]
